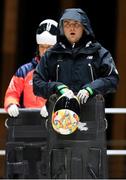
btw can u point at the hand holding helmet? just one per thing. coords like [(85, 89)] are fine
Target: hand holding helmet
[(84, 94), (69, 94), (13, 110), (44, 112), (65, 91)]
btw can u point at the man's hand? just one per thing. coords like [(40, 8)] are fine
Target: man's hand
[(69, 94), (44, 112), (65, 91), (13, 110), (83, 96)]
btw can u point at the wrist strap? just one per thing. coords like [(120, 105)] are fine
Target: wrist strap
[(90, 90), (63, 90), (61, 87)]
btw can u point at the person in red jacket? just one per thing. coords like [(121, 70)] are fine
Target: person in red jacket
[(21, 83)]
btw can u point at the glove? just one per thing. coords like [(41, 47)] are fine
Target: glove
[(69, 94), (44, 112), (82, 126), (65, 91), (61, 89), (83, 96), (13, 110)]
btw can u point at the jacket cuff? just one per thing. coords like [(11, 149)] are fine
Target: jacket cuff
[(89, 90), (62, 89)]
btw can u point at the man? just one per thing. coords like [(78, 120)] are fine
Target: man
[(77, 64), (21, 83)]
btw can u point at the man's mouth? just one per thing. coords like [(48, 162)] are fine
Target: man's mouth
[(72, 34)]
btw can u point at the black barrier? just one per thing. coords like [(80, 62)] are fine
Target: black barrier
[(35, 150)]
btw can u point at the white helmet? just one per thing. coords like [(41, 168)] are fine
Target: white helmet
[(46, 32)]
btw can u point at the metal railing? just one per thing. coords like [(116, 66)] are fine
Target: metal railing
[(107, 111)]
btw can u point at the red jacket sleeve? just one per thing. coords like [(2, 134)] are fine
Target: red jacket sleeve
[(13, 92)]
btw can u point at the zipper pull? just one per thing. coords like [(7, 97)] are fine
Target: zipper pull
[(91, 70), (57, 72), (73, 45)]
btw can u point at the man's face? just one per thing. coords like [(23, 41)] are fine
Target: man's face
[(73, 30), (43, 48)]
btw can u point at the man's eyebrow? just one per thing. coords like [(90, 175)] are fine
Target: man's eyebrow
[(71, 21)]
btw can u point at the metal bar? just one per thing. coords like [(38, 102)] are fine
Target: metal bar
[(109, 152), (115, 110), (107, 110), (2, 152), (2, 111), (116, 152)]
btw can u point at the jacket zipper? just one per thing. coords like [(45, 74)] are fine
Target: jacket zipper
[(91, 71), (57, 72)]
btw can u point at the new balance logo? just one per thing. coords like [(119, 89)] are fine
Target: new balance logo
[(89, 57)]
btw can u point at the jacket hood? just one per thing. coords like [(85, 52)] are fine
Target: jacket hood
[(76, 14)]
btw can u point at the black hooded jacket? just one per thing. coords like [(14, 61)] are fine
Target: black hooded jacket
[(87, 64)]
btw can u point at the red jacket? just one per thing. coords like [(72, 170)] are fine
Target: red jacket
[(21, 84)]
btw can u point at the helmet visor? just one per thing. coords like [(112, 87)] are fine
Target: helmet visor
[(44, 27)]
